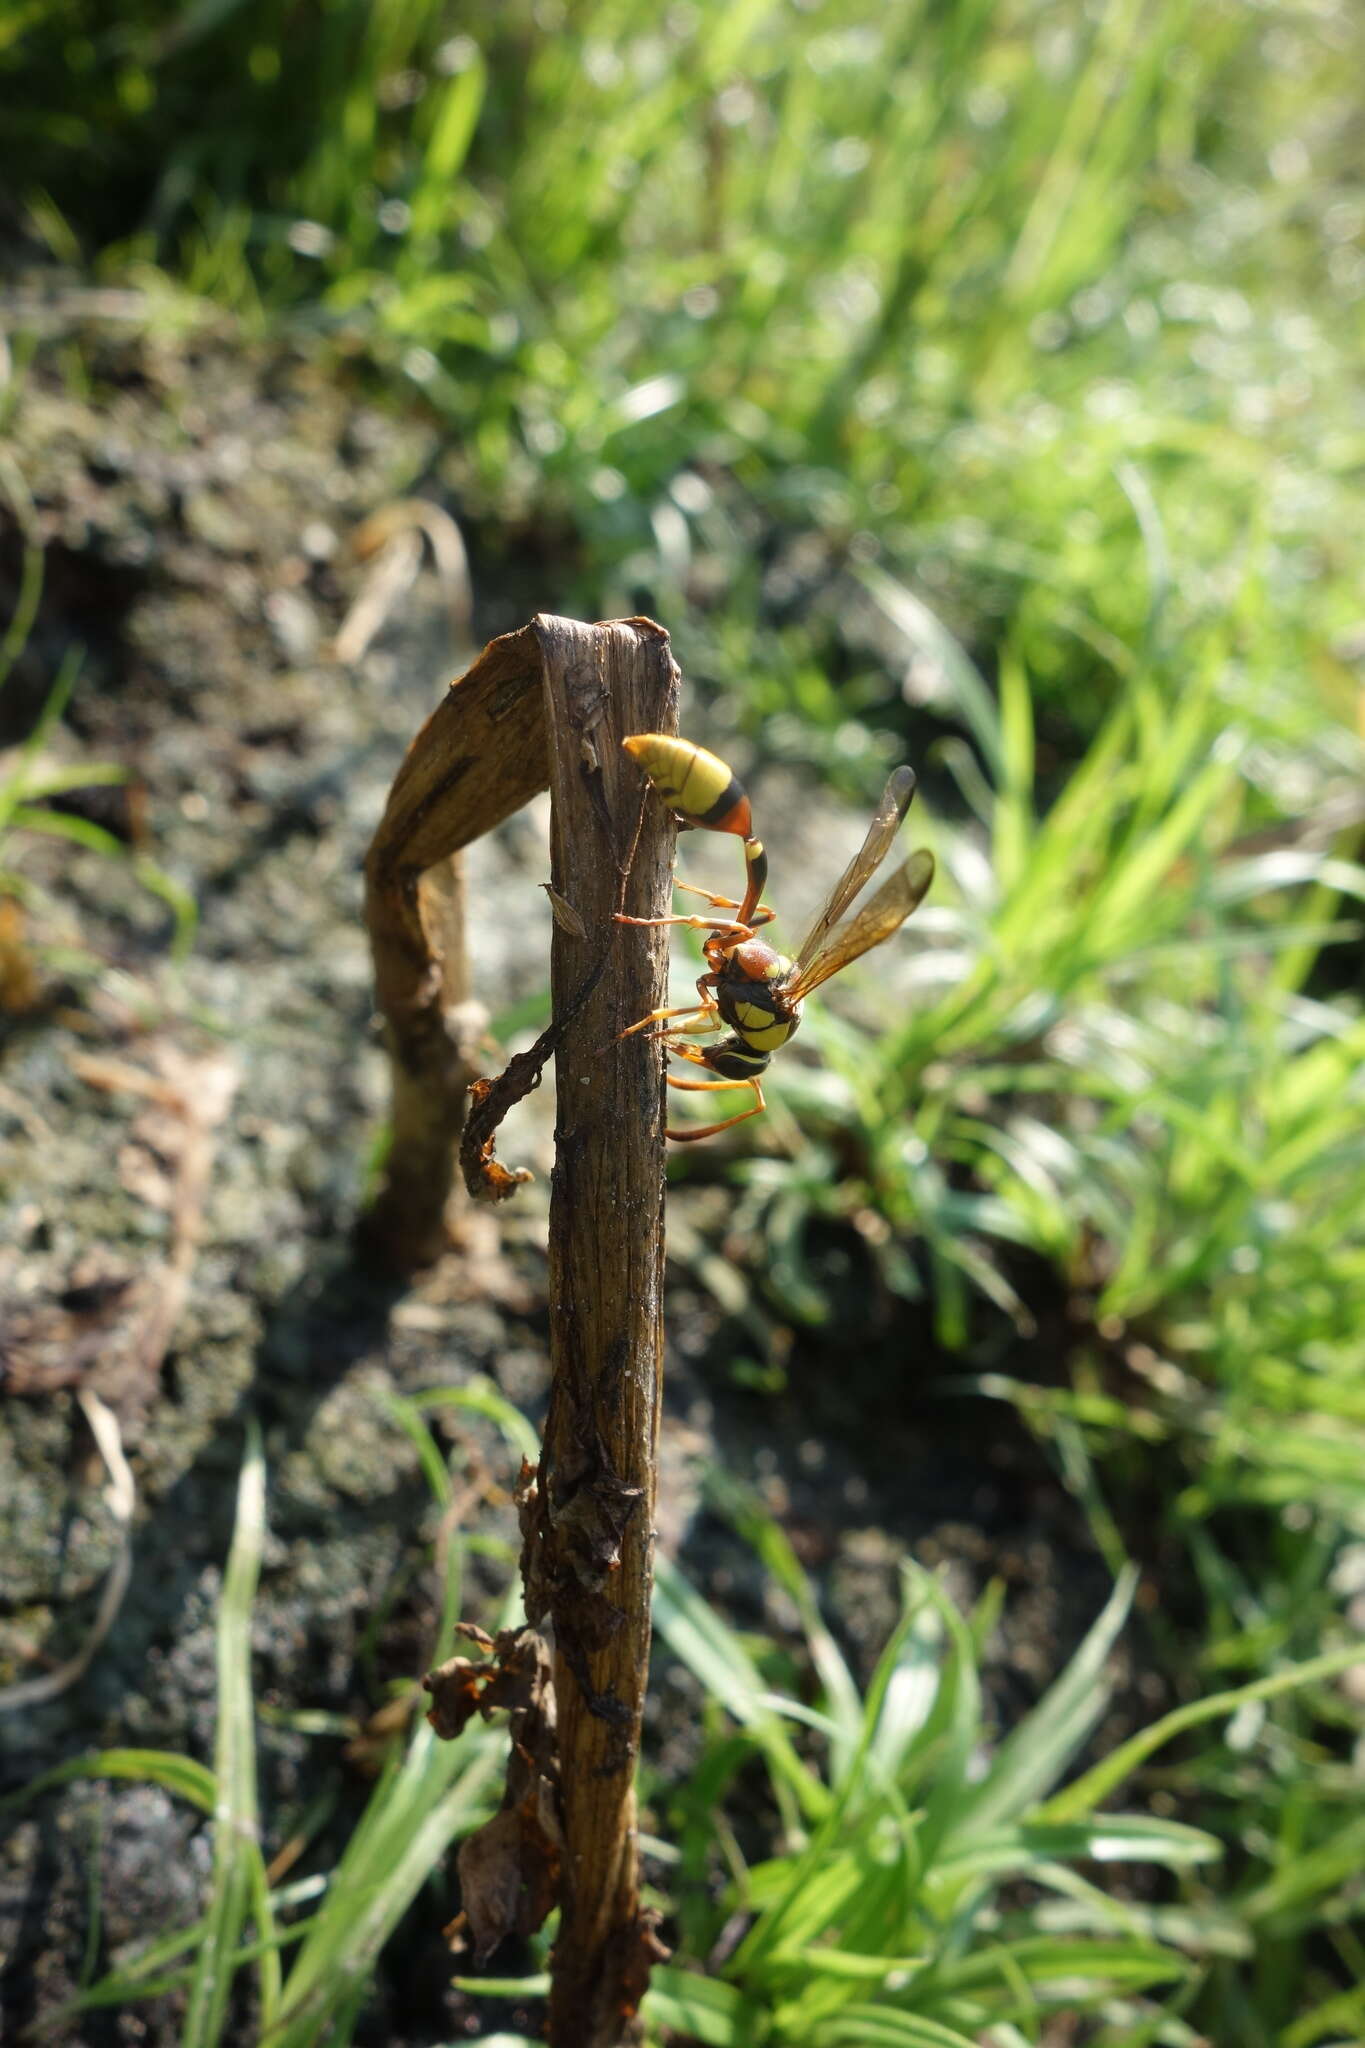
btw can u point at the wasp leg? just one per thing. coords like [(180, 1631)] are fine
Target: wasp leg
[(692, 888), (710, 1130), (756, 866), (696, 924), (763, 912), (657, 1016), (677, 1081), (709, 1019), (698, 1054)]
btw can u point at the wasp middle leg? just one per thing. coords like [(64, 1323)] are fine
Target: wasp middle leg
[(707, 1011)]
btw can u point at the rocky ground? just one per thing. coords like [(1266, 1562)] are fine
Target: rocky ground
[(187, 1138)]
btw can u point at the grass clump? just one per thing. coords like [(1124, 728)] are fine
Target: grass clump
[(934, 1891), (335, 1921), (930, 1887)]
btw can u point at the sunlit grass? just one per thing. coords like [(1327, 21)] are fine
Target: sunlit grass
[(311, 1945), (898, 1909), (977, 383), (932, 1885), (971, 287), (1113, 1059)]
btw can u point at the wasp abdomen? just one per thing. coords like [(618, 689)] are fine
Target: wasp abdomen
[(735, 1060), (698, 785), (759, 1027), (703, 791)]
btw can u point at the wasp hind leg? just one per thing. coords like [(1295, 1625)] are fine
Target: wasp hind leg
[(709, 1130)]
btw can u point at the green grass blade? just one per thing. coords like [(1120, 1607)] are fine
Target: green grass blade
[(1105, 1777), (179, 1775), (1033, 1756), (235, 1836)]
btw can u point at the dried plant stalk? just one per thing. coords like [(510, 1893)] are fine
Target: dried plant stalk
[(591, 1547), (477, 759), (551, 705)]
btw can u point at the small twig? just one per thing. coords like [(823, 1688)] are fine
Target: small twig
[(486, 1178), (121, 1497), (128, 1352), (393, 538)]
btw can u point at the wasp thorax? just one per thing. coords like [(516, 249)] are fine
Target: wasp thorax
[(758, 962)]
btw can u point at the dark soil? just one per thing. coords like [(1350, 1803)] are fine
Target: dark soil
[(195, 497)]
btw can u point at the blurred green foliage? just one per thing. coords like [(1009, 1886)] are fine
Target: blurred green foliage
[(973, 289), (979, 378)]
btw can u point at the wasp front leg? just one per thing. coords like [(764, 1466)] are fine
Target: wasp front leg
[(697, 924)]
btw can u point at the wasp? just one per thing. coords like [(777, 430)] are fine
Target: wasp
[(749, 987)]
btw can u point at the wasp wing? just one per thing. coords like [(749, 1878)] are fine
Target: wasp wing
[(877, 920), (881, 834)]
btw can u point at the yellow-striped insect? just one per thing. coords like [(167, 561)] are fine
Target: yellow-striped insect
[(748, 986), (703, 791)]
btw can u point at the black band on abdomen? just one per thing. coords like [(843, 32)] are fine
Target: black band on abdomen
[(732, 794)]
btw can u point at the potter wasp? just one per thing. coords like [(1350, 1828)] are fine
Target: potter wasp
[(749, 987)]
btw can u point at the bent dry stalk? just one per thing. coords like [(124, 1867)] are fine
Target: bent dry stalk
[(550, 706)]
